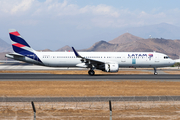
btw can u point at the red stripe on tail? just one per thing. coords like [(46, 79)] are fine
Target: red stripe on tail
[(15, 33), (18, 45)]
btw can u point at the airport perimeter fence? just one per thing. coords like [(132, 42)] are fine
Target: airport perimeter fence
[(88, 108)]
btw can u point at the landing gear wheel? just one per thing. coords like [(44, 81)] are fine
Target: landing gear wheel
[(91, 72), (155, 73)]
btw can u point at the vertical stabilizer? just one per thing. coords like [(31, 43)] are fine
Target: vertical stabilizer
[(20, 46)]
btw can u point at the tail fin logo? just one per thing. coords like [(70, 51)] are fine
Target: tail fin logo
[(21, 46), (18, 35), (150, 55), (16, 38)]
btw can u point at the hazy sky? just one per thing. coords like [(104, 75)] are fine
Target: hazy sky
[(79, 23)]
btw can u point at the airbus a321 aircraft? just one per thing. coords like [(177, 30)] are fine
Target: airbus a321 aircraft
[(105, 61)]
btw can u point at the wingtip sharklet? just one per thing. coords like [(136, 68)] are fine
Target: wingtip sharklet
[(75, 52)]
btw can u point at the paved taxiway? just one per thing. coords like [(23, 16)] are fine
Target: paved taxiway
[(89, 99), (34, 77)]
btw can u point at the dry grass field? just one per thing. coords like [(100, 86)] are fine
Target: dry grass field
[(89, 88), (172, 72), (92, 111)]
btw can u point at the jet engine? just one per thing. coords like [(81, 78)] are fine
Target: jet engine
[(111, 67)]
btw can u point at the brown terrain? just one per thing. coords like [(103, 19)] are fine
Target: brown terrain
[(125, 38), (126, 110), (89, 88), (65, 48), (45, 50), (91, 110)]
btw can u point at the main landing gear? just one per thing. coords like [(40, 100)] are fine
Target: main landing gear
[(91, 72), (155, 72)]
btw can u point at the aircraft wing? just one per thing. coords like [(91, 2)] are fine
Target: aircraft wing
[(87, 60)]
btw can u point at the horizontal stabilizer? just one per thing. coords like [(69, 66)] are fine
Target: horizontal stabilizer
[(15, 54)]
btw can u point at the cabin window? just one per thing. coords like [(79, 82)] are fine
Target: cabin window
[(166, 57)]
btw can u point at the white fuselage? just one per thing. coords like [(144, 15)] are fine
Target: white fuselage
[(123, 59)]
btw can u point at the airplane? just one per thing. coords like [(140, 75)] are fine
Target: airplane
[(105, 61)]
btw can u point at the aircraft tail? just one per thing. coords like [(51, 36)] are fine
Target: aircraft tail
[(20, 46)]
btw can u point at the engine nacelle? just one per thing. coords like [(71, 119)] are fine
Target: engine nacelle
[(111, 67)]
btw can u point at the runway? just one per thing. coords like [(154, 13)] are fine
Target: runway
[(49, 77)]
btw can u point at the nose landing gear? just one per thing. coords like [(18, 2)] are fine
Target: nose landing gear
[(155, 72)]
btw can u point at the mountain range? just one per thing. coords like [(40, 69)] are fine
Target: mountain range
[(130, 43)]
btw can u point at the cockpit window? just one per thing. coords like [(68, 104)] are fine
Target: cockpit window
[(166, 57)]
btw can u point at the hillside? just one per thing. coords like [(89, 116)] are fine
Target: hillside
[(45, 50), (102, 46), (65, 48), (125, 38), (130, 43)]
